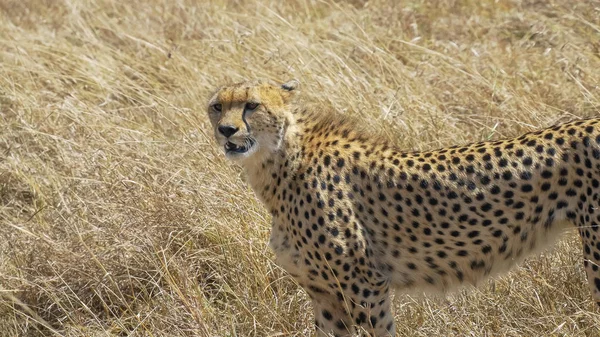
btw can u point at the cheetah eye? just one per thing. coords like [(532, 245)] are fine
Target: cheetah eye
[(217, 107), (251, 106)]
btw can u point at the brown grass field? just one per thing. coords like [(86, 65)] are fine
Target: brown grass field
[(119, 216)]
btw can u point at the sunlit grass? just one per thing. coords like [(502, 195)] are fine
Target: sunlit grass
[(118, 215)]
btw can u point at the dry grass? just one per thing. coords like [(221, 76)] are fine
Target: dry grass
[(119, 217)]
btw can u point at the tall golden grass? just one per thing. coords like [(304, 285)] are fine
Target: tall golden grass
[(119, 217)]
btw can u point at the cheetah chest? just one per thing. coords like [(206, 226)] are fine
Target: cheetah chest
[(286, 254)]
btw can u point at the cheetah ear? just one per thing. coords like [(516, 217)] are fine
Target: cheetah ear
[(290, 85)]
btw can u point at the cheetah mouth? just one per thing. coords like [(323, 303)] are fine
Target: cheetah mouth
[(232, 148)]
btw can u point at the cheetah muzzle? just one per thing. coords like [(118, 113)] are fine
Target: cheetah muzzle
[(231, 148), (354, 216)]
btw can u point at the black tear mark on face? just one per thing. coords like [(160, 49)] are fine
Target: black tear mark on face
[(245, 111), (244, 120)]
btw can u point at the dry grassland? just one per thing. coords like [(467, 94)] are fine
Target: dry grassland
[(120, 217)]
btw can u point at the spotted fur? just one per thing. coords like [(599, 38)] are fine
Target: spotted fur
[(355, 216)]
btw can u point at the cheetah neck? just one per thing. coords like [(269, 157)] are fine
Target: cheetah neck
[(273, 170)]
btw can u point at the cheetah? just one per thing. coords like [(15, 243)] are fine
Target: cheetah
[(355, 217)]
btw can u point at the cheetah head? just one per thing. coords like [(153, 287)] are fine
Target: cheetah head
[(250, 118)]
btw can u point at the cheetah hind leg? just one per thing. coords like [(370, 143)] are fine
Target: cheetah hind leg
[(590, 237)]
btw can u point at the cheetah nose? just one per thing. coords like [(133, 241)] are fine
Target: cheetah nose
[(227, 130)]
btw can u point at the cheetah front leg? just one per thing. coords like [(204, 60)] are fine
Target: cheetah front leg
[(331, 318), (349, 314)]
